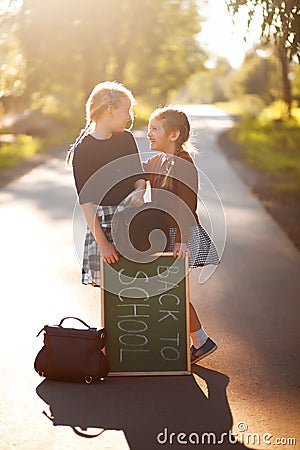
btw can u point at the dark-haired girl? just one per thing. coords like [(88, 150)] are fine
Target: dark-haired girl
[(174, 182)]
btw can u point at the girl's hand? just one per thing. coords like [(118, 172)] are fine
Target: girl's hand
[(180, 250), (135, 198), (109, 252)]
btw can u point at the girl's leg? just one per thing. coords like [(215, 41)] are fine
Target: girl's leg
[(202, 344), (195, 323), (198, 335)]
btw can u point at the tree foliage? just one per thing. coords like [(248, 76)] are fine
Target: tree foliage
[(280, 21), (258, 76), (208, 86), (12, 65), (69, 46), (280, 28)]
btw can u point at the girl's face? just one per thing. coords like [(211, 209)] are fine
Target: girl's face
[(121, 115), (159, 139)]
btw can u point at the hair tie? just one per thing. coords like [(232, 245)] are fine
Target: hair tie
[(112, 99)]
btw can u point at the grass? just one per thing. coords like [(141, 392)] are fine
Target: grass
[(23, 147), (272, 144)]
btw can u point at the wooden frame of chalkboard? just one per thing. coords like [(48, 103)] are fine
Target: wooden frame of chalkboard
[(145, 311)]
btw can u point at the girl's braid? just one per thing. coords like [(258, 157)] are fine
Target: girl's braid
[(172, 115), (80, 137)]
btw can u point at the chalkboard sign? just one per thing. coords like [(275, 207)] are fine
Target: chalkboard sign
[(145, 310)]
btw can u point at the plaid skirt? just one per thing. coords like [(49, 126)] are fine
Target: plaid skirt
[(91, 252), (201, 247)]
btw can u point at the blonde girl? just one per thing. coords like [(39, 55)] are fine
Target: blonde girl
[(174, 182), (107, 170)]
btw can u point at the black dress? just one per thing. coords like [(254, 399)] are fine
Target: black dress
[(105, 172), (179, 199)]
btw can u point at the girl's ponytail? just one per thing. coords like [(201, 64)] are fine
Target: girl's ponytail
[(70, 154)]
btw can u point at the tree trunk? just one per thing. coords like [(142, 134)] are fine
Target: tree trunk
[(287, 93)]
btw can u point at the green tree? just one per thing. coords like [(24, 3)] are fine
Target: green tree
[(258, 76), (12, 66), (207, 86), (12, 63), (149, 45), (280, 27)]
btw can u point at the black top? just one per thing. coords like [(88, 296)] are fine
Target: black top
[(105, 170), (183, 205)]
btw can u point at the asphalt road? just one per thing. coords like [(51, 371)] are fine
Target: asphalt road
[(250, 306)]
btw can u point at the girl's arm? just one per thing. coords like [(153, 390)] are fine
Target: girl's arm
[(139, 192), (185, 188), (136, 197), (107, 249)]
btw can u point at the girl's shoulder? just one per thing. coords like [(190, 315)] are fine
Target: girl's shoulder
[(125, 135), (185, 155), (126, 140), (154, 162), (185, 166), (84, 146), (158, 157), (91, 142)]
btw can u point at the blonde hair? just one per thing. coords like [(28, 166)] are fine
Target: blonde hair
[(103, 95), (173, 118)]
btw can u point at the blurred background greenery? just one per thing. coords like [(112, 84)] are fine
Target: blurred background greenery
[(53, 53)]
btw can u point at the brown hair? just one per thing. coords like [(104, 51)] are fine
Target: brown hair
[(103, 95), (173, 118)]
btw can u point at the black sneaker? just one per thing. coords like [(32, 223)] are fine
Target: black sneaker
[(203, 351)]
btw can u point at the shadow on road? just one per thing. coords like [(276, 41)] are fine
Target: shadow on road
[(147, 409)]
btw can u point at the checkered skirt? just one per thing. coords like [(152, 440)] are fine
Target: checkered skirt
[(91, 252), (201, 247)]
